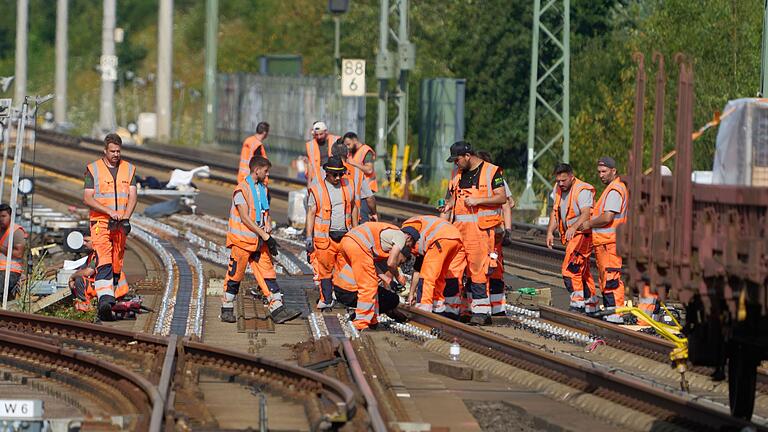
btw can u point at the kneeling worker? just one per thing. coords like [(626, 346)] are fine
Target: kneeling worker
[(249, 242), (356, 271), (331, 213), (440, 263)]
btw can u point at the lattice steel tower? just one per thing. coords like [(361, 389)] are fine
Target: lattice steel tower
[(549, 90)]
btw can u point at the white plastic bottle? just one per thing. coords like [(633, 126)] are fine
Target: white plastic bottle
[(455, 350)]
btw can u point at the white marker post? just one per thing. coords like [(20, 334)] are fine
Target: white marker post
[(14, 196)]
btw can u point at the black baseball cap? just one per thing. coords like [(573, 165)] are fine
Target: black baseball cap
[(607, 161), (334, 164), (459, 148)]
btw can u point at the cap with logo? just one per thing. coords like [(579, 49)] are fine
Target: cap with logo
[(459, 148), (319, 126)]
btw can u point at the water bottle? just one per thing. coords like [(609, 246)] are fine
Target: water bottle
[(455, 350)]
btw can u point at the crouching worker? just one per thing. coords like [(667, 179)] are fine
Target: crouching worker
[(440, 264), (250, 242), (357, 280), (81, 282)]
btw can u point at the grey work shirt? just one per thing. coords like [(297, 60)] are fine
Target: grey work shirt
[(337, 206), (613, 202)]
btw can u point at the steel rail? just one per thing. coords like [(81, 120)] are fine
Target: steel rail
[(340, 394), (77, 362), (635, 394)]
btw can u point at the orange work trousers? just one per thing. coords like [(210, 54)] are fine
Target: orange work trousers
[(444, 261), (324, 264), (263, 271), (577, 276), (478, 244), (366, 279), (609, 270), (110, 250)]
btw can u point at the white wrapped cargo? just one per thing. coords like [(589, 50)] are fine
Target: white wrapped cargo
[(297, 210)]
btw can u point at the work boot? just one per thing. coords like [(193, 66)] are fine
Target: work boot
[(614, 319), (105, 308), (325, 307), (578, 310), (396, 315), (281, 314), (228, 315), (480, 320)]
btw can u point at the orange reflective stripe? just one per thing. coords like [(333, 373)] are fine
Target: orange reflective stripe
[(324, 207), (108, 191), (431, 229), (314, 167), (251, 146)]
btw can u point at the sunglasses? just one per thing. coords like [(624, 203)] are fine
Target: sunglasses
[(337, 175)]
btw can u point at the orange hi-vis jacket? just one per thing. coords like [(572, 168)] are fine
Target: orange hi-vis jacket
[(323, 205), (109, 192), (573, 211), (313, 155), (485, 216), (357, 177), (607, 234), (238, 233), (251, 147), (359, 158), (16, 263), (368, 237), (431, 229)]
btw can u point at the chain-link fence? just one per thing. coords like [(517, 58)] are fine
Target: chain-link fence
[(289, 104)]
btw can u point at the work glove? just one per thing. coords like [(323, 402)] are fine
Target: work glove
[(272, 245), (309, 245), (507, 237)]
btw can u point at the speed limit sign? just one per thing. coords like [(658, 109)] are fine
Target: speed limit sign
[(353, 77)]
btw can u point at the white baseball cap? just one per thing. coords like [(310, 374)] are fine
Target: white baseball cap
[(319, 126)]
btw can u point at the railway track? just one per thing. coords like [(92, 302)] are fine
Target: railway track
[(585, 378)]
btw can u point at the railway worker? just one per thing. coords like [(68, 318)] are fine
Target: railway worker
[(496, 286), (110, 193), (474, 207), (318, 150), (250, 242), (365, 196), (252, 146), (82, 280), (18, 247), (573, 200), (356, 278), (362, 157), (609, 212), (440, 264), (331, 212)]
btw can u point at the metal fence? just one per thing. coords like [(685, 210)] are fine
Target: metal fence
[(289, 104)]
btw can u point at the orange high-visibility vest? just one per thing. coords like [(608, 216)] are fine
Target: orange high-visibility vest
[(110, 192), (359, 157), (251, 147), (431, 229), (314, 167), (356, 176), (16, 263), (323, 207), (485, 216), (368, 237), (573, 211), (607, 234), (238, 233)]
